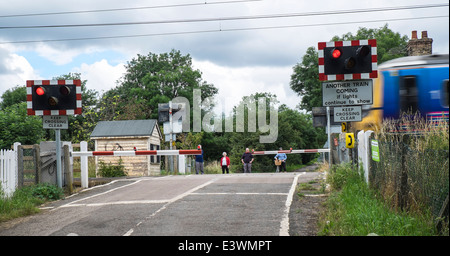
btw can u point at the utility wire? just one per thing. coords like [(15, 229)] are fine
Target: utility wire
[(290, 15), (127, 9), (221, 30)]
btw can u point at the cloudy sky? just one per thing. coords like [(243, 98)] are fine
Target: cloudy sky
[(242, 47)]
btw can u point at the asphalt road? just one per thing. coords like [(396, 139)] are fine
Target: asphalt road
[(196, 205)]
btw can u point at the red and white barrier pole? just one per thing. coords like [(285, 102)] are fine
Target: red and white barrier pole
[(138, 153), (299, 151), (84, 154)]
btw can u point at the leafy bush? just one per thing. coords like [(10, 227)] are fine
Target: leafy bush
[(47, 191), (110, 170)]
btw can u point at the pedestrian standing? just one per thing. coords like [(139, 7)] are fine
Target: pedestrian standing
[(199, 161), (247, 160), (282, 157), (225, 162)]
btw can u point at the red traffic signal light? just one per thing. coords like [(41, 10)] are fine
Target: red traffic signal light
[(336, 53), (40, 91)]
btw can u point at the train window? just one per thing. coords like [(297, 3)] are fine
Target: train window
[(444, 94), (409, 100)]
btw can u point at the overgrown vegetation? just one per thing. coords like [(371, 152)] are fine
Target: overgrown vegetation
[(413, 173), (353, 209), (407, 187), (25, 200), (112, 170)]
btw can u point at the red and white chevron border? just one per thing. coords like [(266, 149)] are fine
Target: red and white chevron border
[(357, 76), (31, 112)]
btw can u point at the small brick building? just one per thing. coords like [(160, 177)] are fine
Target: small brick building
[(125, 136)]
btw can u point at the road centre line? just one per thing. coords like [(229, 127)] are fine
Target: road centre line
[(181, 196), (237, 193), (89, 197), (119, 203), (137, 180)]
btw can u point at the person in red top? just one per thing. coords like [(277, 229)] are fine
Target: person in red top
[(225, 162)]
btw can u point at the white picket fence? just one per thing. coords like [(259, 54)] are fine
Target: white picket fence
[(8, 172)]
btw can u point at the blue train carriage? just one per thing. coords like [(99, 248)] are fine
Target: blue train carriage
[(417, 83)]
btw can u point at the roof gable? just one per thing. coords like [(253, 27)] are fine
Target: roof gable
[(124, 128)]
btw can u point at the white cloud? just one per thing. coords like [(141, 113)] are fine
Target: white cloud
[(100, 75), (234, 83), (14, 70), (60, 56)]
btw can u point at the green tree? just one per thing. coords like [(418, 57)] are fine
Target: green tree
[(305, 79), (12, 96), (390, 45), (295, 130), (17, 126), (155, 79)]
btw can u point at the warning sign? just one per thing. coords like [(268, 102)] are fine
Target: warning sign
[(347, 93), (56, 122), (348, 114)]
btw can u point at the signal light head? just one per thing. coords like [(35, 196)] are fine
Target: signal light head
[(64, 90), (40, 91), (350, 63), (336, 53), (363, 51), (52, 101)]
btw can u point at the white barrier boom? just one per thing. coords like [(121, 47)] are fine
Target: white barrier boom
[(298, 151), (138, 153), (84, 154)]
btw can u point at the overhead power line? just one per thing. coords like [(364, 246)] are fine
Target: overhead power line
[(272, 16), (127, 9), (222, 30)]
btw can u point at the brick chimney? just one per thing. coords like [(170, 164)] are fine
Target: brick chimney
[(419, 47)]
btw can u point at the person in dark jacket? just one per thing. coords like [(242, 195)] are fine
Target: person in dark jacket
[(247, 160), (199, 161)]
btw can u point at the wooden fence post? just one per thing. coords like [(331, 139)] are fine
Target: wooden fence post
[(37, 163)]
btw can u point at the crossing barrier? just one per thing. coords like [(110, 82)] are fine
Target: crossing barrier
[(138, 153), (291, 151)]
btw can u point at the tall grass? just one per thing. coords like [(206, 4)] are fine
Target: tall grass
[(24, 200), (417, 151), (353, 209)]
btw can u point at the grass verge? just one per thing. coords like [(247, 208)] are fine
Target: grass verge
[(353, 209), (25, 200)]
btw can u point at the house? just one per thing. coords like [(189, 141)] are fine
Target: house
[(128, 136)]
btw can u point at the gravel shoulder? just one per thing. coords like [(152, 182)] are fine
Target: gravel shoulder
[(307, 203)]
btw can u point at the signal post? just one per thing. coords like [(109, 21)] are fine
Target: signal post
[(54, 100), (346, 69)]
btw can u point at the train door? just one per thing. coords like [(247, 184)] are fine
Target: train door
[(408, 94), (444, 94)]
